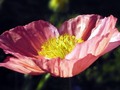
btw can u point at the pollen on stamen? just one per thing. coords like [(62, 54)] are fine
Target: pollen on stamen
[(59, 47)]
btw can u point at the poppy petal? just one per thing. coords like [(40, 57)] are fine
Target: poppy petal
[(23, 42), (114, 42), (94, 46), (66, 68), (80, 26), (26, 40), (103, 26), (25, 66), (78, 60)]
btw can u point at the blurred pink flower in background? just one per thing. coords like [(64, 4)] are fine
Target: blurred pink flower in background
[(39, 47)]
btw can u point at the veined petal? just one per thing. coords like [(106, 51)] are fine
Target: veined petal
[(40, 31), (80, 26), (95, 46), (23, 65), (66, 68), (98, 43), (103, 26), (79, 59), (24, 42), (27, 40), (114, 41)]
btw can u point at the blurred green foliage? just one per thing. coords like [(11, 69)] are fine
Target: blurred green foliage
[(58, 5)]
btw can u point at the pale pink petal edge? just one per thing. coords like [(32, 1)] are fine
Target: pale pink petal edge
[(80, 26), (66, 68), (25, 66)]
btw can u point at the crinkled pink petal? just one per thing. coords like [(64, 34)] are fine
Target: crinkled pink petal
[(83, 55), (27, 40), (80, 26), (39, 31), (66, 68), (99, 35), (78, 60), (103, 26), (114, 42), (97, 46), (94, 46), (23, 65)]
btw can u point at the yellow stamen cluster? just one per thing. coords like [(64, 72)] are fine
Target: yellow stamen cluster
[(59, 47)]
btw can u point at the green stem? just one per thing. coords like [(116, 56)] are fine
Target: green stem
[(43, 81)]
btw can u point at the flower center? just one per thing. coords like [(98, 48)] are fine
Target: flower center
[(59, 47)]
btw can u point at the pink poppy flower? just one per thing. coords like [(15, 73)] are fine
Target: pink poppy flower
[(39, 47)]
